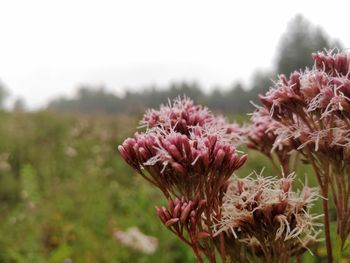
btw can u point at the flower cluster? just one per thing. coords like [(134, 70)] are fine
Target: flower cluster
[(314, 105), (180, 115), (184, 219), (183, 115), (187, 160), (269, 217), (313, 109), (189, 154), (261, 136), (182, 214)]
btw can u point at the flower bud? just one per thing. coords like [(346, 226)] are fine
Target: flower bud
[(203, 234), (171, 222), (185, 212)]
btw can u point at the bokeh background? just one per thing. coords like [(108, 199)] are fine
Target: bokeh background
[(76, 77)]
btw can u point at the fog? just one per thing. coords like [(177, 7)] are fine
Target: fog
[(50, 47)]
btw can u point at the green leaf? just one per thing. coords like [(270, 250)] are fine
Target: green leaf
[(337, 251)]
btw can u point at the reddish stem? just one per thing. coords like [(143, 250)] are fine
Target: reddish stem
[(196, 251), (222, 247)]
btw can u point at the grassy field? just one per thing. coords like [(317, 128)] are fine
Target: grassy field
[(65, 191)]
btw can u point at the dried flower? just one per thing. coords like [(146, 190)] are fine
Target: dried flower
[(266, 214)]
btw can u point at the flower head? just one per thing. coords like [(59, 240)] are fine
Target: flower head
[(184, 116), (180, 115), (268, 210), (185, 149), (313, 107)]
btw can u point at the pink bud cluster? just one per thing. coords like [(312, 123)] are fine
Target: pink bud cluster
[(183, 161), (182, 216), (266, 210), (335, 65)]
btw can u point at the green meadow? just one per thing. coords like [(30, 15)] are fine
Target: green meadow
[(65, 192)]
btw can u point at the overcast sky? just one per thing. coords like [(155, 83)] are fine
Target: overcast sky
[(47, 48)]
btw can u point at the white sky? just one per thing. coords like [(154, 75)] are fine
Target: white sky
[(49, 47)]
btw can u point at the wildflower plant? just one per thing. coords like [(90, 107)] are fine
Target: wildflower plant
[(312, 108), (190, 155)]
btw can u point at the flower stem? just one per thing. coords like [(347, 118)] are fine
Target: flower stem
[(323, 182), (326, 224), (197, 253)]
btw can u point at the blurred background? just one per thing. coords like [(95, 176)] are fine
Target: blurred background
[(75, 78)]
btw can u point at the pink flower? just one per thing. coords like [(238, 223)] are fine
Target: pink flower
[(172, 158), (316, 118), (333, 64), (180, 115), (184, 116), (200, 154), (284, 96), (189, 154)]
